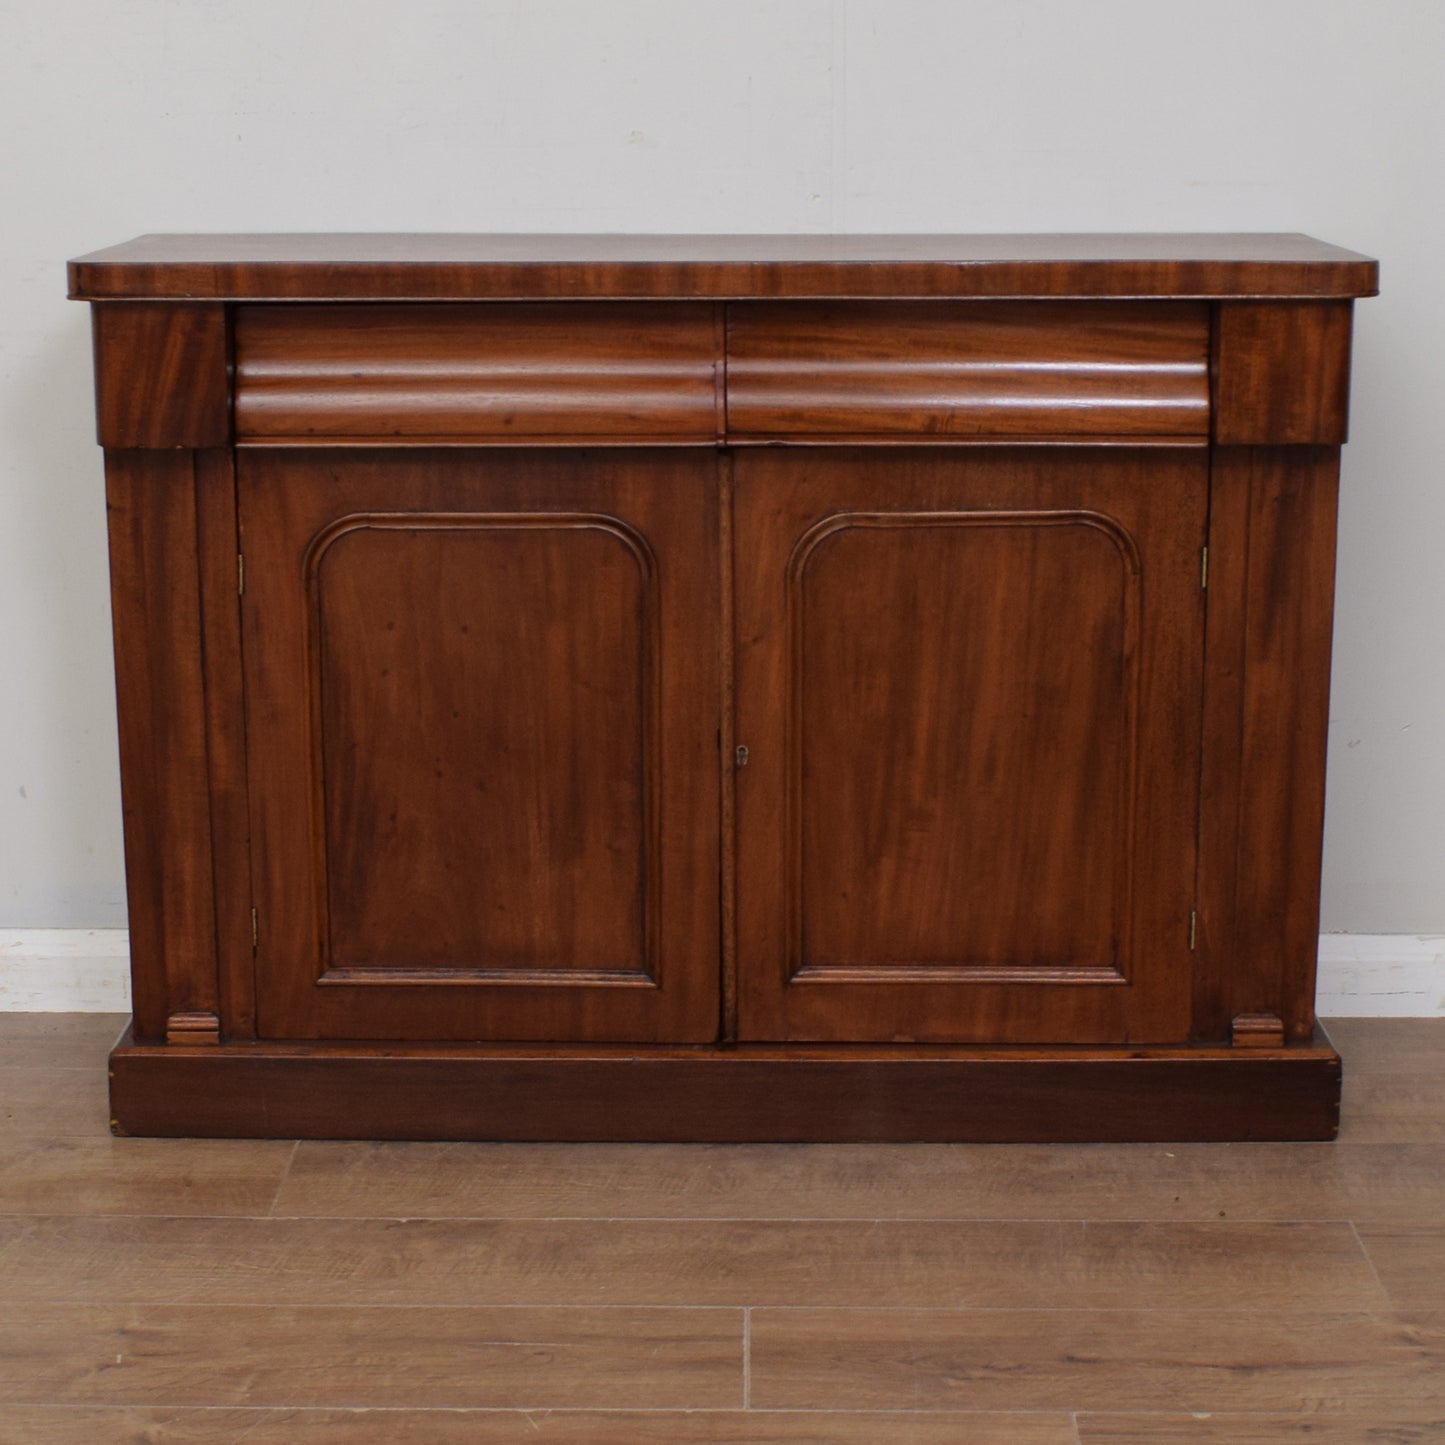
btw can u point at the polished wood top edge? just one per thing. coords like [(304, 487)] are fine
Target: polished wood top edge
[(728, 440), (551, 267)]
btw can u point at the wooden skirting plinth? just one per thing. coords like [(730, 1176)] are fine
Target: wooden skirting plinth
[(758, 1094)]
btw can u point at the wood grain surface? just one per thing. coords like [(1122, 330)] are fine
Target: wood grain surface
[(91, 1173), (1262, 1429), (1271, 604), (460, 267), (973, 1264), (155, 579), (1264, 397), (161, 375), (1396, 1183), (953, 371), (511, 820), (1182, 1359), (221, 575), (443, 783), (970, 688), (221, 1425), (51, 1102), (1410, 1261), (183, 1291), (752, 1093), (327, 1355), (58, 1041), (535, 375)]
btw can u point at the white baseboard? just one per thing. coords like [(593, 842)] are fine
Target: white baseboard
[(1381, 975), (87, 970), (64, 970)]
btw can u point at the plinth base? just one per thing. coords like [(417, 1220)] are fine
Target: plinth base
[(754, 1093)]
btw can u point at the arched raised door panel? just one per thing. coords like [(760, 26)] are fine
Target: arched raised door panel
[(966, 684), (465, 662), (500, 826), (1003, 733)]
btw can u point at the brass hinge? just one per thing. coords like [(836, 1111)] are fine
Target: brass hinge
[(240, 574), (1203, 568), (1193, 927), (255, 931)]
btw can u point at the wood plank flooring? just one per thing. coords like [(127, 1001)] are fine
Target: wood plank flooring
[(176, 1291)]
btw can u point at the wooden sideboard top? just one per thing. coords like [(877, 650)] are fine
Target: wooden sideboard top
[(441, 267)]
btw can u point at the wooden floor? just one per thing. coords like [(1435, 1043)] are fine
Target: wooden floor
[(169, 1290)]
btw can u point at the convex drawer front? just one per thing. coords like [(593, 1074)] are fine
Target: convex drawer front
[(492, 373), (965, 370), (695, 373)]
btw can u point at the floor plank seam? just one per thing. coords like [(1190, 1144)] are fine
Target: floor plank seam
[(1374, 1269), (95, 1067), (747, 1359), (903, 1219), (1280, 1221), (1307, 1311), (1383, 1222), (281, 1183), (1045, 1411)]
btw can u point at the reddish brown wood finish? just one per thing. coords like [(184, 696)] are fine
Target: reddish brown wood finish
[(160, 697), (539, 267), (746, 1094), (1283, 372), (533, 375), (160, 375), (1216, 960), (193, 1028), (728, 756), (969, 685), (940, 371), (219, 548), (1258, 1031), (988, 773), (482, 695), (1271, 597)]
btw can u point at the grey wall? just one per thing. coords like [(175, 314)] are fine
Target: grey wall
[(122, 116)]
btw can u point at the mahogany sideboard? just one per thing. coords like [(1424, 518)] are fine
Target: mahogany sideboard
[(741, 688)]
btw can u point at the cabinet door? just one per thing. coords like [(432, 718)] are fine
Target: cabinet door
[(968, 682), (482, 700)]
